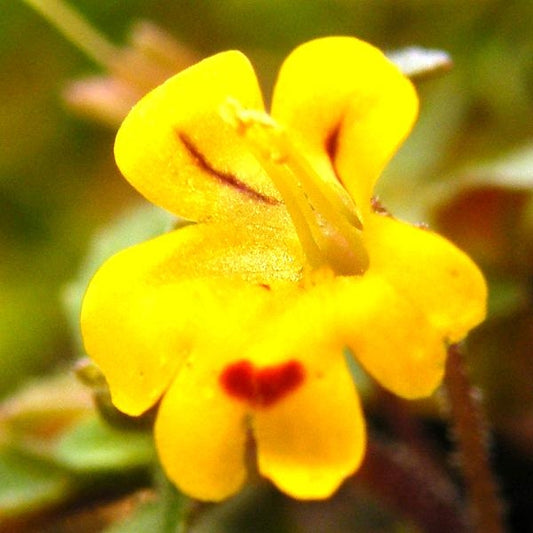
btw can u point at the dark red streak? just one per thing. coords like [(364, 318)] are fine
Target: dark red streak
[(225, 177)]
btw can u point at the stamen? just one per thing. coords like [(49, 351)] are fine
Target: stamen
[(328, 229), (320, 191), (294, 198)]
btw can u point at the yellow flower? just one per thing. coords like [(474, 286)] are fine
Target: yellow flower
[(238, 323)]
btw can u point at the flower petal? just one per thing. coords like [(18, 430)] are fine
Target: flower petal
[(309, 442), (388, 334), (201, 434), (177, 151), (434, 275), (147, 305), (348, 106)]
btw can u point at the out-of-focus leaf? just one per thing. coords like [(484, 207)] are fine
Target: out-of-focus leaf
[(259, 508), (504, 374), (29, 484), (94, 446), (162, 515), (426, 151), (41, 410), (514, 170), (506, 297), (147, 517), (485, 221), (485, 211), (417, 62), (28, 322)]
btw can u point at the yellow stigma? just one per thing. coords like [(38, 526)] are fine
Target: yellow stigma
[(328, 228)]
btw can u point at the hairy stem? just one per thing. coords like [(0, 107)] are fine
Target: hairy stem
[(469, 429)]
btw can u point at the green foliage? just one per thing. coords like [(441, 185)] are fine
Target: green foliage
[(95, 447), (29, 483), (147, 517)]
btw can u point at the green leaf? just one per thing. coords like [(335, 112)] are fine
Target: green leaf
[(44, 406), (164, 515), (506, 297), (147, 517), (29, 483), (94, 446)]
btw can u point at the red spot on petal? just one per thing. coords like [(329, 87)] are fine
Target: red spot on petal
[(238, 380), (261, 387)]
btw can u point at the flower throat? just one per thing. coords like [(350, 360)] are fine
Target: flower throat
[(329, 230)]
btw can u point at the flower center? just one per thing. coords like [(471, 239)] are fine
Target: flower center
[(328, 228)]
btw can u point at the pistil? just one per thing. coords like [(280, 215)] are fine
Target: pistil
[(328, 228)]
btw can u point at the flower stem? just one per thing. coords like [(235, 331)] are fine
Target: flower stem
[(172, 517), (76, 29), (469, 428)]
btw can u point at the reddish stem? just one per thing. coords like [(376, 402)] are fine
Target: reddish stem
[(470, 431)]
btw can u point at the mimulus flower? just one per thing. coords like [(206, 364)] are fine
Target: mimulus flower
[(238, 324)]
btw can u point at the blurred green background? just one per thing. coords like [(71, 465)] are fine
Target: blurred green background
[(467, 167)]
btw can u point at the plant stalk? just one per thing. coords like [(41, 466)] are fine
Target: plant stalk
[(470, 431), (77, 30)]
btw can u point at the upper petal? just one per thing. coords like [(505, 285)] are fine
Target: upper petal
[(147, 306), (429, 271), (178, 152), (348, 106)]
